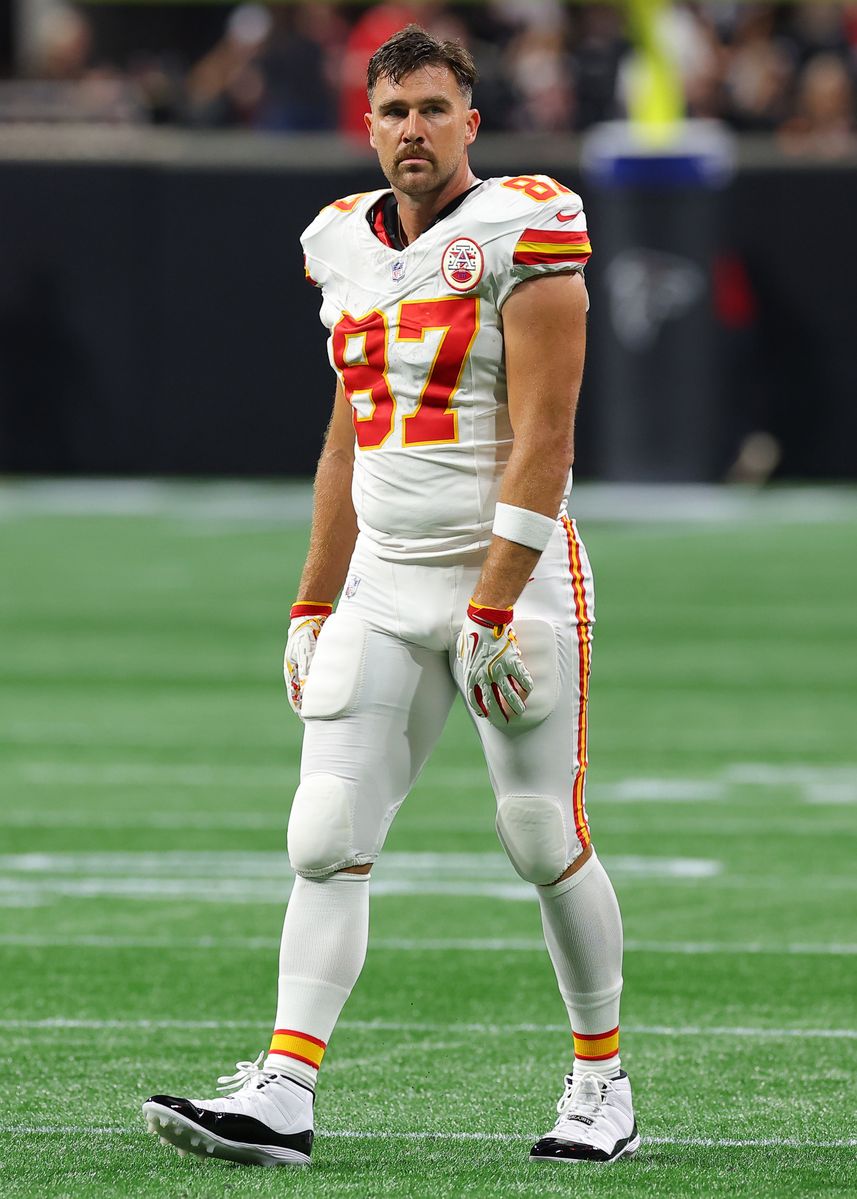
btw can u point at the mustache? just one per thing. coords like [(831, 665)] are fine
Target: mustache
[(414, 153)]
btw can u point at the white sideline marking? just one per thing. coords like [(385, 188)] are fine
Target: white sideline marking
[(349, 1134), (414, 945), (291, 502), (649, 1030)]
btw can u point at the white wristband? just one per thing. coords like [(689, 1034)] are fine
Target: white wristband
[(523, 526)]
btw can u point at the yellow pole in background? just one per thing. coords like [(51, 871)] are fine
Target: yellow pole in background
[(656, 95)]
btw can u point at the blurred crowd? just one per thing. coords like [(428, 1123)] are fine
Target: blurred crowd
[(783, 69)]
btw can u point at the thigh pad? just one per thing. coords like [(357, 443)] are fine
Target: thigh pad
[(336, 672), (537, 641)]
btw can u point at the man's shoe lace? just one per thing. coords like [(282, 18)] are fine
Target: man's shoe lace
[(248, 1076), (583, 1099)]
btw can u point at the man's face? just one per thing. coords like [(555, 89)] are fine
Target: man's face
[(420, 128)]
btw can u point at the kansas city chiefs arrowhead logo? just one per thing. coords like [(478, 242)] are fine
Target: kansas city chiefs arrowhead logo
[(462, 264)]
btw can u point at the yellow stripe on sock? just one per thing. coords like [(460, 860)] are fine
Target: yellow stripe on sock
[(598, 1047), (298, 1045)]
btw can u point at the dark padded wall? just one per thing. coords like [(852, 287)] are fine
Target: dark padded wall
[(155, 319)]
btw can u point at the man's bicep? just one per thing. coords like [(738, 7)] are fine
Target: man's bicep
[(340, 430), (544, 334)]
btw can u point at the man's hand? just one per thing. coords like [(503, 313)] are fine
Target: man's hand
[(306, 623), (496, 681)]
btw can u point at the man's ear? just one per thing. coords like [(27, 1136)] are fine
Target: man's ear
[(473, 122), (367, 117)]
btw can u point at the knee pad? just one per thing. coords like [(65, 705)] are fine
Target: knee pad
[(532, 832), (321, 835)]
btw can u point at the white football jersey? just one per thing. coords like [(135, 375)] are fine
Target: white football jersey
[(416, 337)]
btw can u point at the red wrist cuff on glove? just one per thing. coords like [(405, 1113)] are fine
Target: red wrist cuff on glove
[(489, 618), (307, 608)]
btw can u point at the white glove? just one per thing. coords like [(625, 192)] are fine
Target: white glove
[(496, 681), (304, 628)]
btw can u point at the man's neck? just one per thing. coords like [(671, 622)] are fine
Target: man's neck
[(416, 213)]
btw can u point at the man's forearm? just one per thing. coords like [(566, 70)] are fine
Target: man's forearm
[(334, 530), (535, 479), (545, 341)]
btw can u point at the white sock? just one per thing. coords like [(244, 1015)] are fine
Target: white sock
[(583, 931), (321, 955)]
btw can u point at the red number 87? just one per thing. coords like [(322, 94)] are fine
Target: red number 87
[(540, 189), (365, 373)]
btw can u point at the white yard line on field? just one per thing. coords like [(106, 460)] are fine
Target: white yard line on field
[(264, 877), (463, 1028), (17, 893), (750, 822), (691, 948), (83, 1130), (216, 865), (187, 774), (176, 820), (816, 785), (415, 945), (688, 1142), (208, 774)]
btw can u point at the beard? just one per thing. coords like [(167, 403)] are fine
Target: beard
[(429, 176)]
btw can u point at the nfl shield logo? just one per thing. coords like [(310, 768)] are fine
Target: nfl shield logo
[(398, 270), (351, 585), (462, 264)]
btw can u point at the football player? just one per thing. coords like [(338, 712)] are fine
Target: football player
[(456, 309)]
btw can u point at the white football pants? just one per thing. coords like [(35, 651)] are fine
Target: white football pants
[(381, 686)]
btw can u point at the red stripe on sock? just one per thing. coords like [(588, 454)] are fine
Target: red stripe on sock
[(298, 1058), (291, 1032)]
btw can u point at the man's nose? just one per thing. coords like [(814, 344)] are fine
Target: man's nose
[(412, 131)]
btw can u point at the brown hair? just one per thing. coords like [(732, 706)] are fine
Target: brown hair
[(413, 47)]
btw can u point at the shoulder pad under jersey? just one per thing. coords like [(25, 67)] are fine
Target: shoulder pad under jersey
[(322, 240), (532, 225)]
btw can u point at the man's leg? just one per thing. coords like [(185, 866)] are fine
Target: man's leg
[(545, 832), (370, 725), (356, 770), (322, 951), (583, 933), (538, 770)]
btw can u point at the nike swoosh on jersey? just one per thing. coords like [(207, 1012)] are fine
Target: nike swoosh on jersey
[(561, 216)]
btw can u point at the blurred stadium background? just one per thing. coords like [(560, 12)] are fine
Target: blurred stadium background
[(158, 161), (163, 391)]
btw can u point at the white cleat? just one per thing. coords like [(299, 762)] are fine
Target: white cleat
[(595, 1124), (267, 1121)]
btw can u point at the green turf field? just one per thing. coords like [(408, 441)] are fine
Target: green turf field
[(148, 757)]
